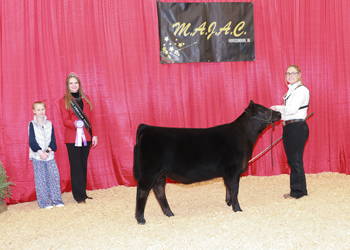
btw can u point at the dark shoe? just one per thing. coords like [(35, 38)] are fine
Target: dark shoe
[(288, 196)]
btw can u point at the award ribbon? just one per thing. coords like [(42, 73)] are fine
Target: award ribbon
[(80, 134), (80, 114)]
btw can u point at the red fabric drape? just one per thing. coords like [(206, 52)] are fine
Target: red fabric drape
[(114, 47)]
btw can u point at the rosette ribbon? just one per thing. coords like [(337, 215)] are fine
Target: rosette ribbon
[(80, 136)]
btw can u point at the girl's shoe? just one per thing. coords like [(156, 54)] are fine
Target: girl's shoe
[(60, 205), (48, 207)]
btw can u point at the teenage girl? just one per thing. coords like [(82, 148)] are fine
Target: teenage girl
[(78, 155), (295, 129)]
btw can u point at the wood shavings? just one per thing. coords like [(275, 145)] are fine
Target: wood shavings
[(202, 219)]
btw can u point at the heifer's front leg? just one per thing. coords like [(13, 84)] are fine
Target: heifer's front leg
[(235, 203), (159, 192), (141, 198), (232, 187)]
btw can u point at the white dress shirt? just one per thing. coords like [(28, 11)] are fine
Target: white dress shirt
[(296, 97)]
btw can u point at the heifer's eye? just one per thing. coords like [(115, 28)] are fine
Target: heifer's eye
[(261, 111)]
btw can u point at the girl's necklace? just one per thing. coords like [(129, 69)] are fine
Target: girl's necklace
[(78, 99)]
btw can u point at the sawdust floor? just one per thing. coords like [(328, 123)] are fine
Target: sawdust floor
[(202, 219)]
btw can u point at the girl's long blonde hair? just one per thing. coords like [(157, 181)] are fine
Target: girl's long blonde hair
[(68, 96)]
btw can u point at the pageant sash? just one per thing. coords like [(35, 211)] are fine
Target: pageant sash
[(81, 116), (80, 135)]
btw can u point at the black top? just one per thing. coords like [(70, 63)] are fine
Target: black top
[(78, 99)]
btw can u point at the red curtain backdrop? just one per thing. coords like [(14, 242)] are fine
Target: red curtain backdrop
[(114, 47)]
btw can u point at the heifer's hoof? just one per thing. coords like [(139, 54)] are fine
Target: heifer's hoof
[(141, 221), (169, 213), (237, 209), (229, 203)]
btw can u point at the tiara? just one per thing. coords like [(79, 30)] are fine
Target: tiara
[(73, 74)]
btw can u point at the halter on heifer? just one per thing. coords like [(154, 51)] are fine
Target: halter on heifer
[(272, 144), (262, 121)]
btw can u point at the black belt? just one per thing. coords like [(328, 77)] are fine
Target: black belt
[(292, 121)]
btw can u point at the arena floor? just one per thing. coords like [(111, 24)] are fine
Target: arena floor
[(202, 219)]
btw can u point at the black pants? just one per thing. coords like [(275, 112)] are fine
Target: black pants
[(295, 136), (78, 157)]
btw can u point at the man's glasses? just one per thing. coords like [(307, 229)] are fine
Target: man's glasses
[(292, 73)]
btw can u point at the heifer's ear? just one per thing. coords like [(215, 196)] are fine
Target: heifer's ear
[(250, 106)]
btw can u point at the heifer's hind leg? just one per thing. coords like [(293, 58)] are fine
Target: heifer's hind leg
[(228, 197), (143, 189), (159, 192)]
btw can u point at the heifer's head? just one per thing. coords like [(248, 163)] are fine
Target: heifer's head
[(263, 115)]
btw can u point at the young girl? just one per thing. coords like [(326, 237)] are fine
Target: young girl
[(42, 143)]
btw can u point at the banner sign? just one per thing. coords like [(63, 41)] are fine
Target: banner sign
[(206, 32)]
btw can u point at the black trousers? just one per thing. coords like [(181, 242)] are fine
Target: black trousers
[(295, 136), (78, 157)]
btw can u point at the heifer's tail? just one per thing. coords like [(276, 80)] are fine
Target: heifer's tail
[(139, 132), (136, 150)]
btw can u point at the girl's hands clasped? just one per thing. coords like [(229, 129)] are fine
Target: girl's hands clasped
[(43, 155)]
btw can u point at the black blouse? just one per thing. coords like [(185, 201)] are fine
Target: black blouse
[(78, 99)]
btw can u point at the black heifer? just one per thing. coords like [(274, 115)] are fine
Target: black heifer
[(188, 155)]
